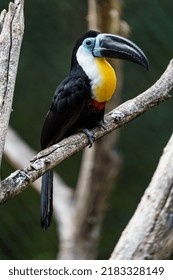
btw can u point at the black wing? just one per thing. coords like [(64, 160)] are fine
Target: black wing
[(68, 102)]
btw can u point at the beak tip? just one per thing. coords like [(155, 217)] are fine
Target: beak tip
[(147, 65), (144, 61)]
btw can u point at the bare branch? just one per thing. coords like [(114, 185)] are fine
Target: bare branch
[(149, 234), (11, 34), (52, 156)]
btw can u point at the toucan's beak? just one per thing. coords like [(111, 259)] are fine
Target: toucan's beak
[(113, 46)]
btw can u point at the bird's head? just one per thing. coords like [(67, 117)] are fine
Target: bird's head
[(103, 45)]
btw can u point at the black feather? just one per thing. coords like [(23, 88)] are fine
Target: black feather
[(47, 199), (67, 104)]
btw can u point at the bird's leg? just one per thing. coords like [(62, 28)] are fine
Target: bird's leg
[(89, 135), (102, 125)]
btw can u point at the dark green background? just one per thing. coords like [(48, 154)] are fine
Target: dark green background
[(51, 28)]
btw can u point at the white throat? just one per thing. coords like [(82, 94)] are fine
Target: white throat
[(86, 61)]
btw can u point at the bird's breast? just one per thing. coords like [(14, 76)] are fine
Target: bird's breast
[(104, 85)]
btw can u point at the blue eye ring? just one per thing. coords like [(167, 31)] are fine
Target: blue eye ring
[(89, 43)]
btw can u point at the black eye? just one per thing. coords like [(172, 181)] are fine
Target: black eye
[(88, 42)]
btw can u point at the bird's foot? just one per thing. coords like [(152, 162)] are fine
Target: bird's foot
[(102, 125), (89, 135)]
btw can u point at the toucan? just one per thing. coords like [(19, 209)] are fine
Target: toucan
[(79, 101)]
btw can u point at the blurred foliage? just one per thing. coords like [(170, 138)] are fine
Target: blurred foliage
[(50, 32)]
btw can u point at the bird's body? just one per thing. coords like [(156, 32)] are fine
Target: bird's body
[(67, 104), (79, 101)]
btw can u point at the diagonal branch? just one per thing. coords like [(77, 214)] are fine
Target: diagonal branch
[(52, 156)]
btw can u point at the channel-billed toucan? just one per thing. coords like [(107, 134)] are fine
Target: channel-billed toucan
[(79, 101)]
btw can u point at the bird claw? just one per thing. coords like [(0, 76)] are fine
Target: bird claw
[(90, 136), (102, 125)]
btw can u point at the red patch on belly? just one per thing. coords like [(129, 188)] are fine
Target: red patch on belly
[(97, 106)]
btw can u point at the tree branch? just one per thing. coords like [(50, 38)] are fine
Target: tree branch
[(52, 156), (149, 234), (11, 34)]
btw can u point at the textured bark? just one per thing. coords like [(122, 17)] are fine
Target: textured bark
[(52, 156), (149, 234), (11, 34)]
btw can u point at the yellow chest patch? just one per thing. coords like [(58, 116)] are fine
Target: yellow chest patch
[(106, 84)]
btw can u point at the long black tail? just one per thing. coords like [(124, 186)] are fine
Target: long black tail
[(47, 199)]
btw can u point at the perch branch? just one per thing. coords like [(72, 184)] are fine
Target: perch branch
[(52, 156), (149, 234)]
